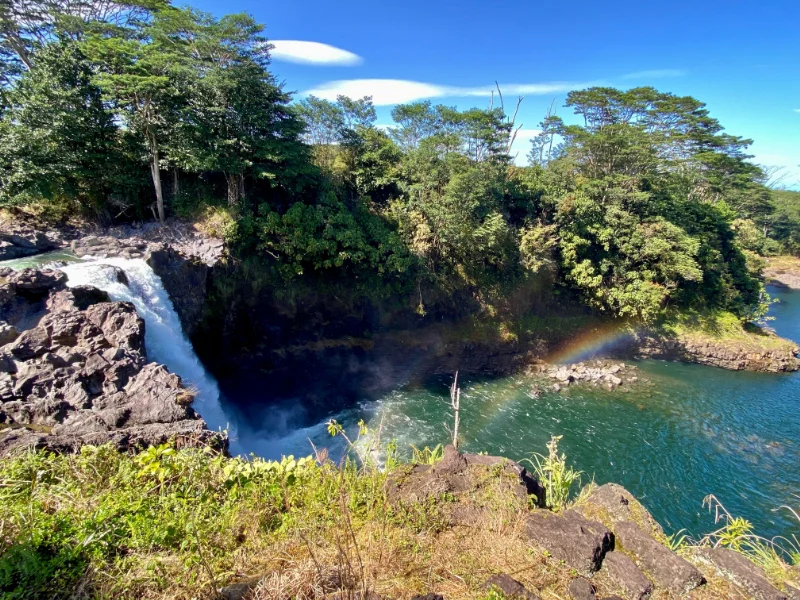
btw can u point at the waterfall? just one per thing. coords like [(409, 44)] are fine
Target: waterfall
[(164, 338)]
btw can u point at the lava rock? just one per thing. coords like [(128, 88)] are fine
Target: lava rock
[(667, 569), (581, 589), (461, 474), (743, 573), (612, 504), (626, 575), (570, 537), (510, 588)]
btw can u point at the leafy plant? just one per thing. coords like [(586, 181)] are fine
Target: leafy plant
[(555, 475), (427, 456)]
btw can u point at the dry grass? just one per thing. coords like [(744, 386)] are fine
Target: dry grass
[(783, 264)]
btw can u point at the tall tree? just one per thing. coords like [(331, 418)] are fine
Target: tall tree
[(58, 141)]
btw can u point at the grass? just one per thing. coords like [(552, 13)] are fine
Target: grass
[(784, 263), (721, 327), (557, 477), (171, 523), (180, 523)]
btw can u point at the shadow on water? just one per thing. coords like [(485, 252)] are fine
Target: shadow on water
[(684, 432)]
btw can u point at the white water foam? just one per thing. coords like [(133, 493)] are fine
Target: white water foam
[(164, 338)]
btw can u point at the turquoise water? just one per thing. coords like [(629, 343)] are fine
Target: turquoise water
[(687, 432)]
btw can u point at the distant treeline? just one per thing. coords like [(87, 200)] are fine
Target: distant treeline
[(133, 110)]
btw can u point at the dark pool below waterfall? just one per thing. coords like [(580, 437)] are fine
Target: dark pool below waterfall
[(687, 432)]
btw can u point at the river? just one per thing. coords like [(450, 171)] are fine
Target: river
[(684, 432)]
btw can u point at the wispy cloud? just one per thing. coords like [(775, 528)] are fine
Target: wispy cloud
[(797, 110), (386, 92), (313, 53), (655, 73)]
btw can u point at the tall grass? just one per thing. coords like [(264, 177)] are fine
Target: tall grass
[(557, 477)]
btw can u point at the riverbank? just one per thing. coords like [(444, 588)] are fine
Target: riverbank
[(784, 271), (453, 526)]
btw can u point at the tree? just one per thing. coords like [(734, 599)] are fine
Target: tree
[(58, 141), (141, 73)]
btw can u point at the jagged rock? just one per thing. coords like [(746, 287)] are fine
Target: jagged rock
[(612, 504), (627, 576), (109, 247), (185, 279), (510, 587), (667, 569), (19, 240), (239, 590), (8, 333), (571, 537), (80, 376), (23, 295), (743, 573), (581, 589), (460, 474)]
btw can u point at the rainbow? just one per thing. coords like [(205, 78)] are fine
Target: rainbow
[(589, 343)]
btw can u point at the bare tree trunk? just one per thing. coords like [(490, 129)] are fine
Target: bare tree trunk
[(175, 184), (233, 189), (455, 403), (156, 172)]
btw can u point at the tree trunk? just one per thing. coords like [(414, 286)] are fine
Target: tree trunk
[(156, 172), (235, 188), (175, 186)]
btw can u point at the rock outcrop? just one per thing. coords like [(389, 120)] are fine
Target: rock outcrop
[(19, 239), (74, 371), (463, 476), (716, 354)]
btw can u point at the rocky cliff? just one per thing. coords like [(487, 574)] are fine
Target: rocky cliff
[(74, 371)]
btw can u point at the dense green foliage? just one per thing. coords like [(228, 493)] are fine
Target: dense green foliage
[(640, 203)]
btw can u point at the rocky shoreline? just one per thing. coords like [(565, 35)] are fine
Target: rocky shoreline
[(74, 371)]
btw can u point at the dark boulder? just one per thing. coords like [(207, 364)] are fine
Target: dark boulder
[(571, 537), (627, 576), (460, 475), (667, 569), (581, 589), (509, 587), (612, 504)]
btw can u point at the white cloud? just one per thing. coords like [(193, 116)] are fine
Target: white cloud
[(797, 110), (386, 92), (654, 73), (313, 53)]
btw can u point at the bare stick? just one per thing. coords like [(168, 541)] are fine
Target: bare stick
[(455, 403)]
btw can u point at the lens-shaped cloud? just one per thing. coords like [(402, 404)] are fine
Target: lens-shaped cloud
[(313, 53)]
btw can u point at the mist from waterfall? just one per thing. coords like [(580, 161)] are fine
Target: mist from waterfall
[(164, 338)]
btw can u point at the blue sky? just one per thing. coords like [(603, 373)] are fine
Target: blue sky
[(741, 58)]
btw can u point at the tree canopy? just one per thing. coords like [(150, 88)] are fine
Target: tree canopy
[(636, 203)]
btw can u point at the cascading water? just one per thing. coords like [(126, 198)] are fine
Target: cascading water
[(164, 338)]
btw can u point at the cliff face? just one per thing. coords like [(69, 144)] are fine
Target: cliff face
[(74, 371), (721, 354)]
